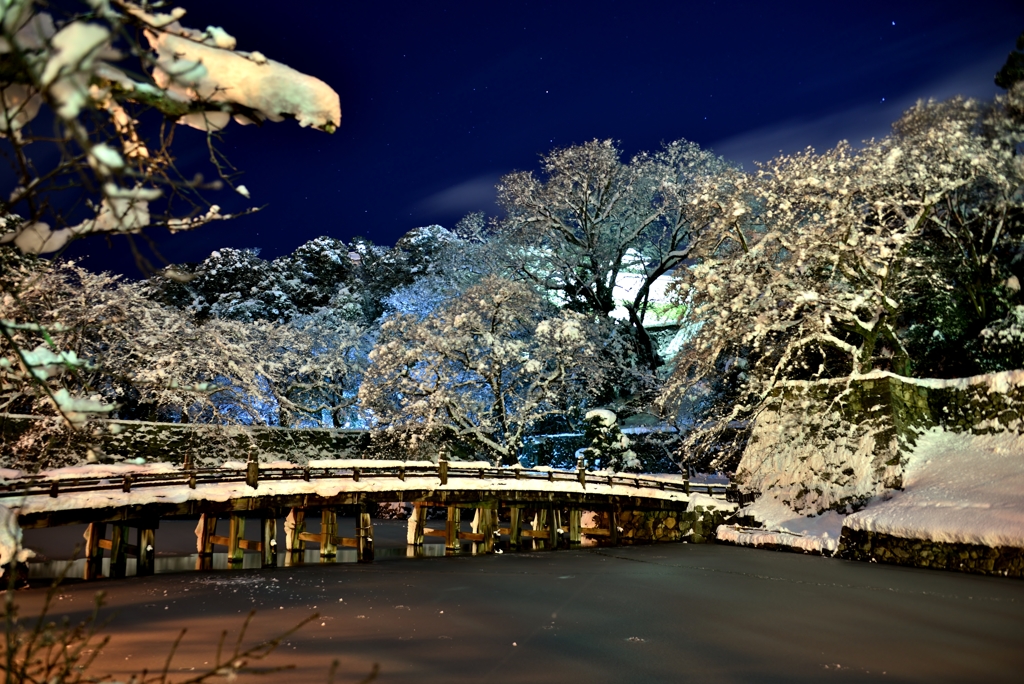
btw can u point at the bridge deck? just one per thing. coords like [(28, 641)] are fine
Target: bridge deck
[(95, 492)]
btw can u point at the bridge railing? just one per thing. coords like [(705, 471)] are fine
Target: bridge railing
[(129, 478)]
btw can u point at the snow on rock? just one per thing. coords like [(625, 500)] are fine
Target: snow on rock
[(10, 539), (784, 527), (958, 488), (707, 502)]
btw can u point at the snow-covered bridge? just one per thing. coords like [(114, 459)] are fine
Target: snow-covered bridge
[(551, 503)]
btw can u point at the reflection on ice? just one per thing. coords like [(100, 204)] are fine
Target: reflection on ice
[(219, 561)]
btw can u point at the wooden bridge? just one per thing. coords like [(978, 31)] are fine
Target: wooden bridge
[(550, 503)]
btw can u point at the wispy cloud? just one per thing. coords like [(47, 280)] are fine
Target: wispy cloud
[(860, 123), (475, 194)]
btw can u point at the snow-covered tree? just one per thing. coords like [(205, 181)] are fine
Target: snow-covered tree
[(593, 217), (125, 355), (76, 67), (805, 268), (237, 284), (86, 107), (479, 371), (606, 446)]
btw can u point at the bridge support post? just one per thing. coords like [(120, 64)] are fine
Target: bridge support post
[(294, 526), (554, 524), (93, 551), (235, 535), (364, 535), (118, 550), (613, 526), (146, 556), (485, 516), (268, 538), (451, 530), (515, 527), (205, 530), (540, 521), (575, 518), (328, 531), (417, 523)]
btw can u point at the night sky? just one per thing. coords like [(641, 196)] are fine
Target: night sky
[(439, 99)]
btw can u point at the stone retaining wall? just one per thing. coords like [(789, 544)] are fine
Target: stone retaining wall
[(830, 444), (861, 545), (32, 443), (646, 527)]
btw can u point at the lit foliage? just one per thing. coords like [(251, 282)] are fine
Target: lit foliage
[(592, 217), (480, 370), (806, 268), (66, 75), (124, 352)]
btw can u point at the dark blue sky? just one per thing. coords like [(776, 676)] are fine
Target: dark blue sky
[(441, 98)]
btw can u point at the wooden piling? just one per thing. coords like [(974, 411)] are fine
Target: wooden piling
[(613, 527), (294, 526), (417, 523), (554, 525), (205, 531), (236, 534), (94, 533), (328, 531), (364, 535), (451, 529), (146, 556), (268, 537), (118, 550), (575, 520), (484, 525), (540, 519), (515, 527)]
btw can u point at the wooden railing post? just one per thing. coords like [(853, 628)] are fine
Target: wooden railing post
[(328, 531), (93, 551), (451, 529), (515, 527), (417, 523), (294, 525), (268, 537), (235, 535), (252, 471), (364, 535), (146, 556)]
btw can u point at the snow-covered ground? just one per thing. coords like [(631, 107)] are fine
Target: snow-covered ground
[(958, 488)]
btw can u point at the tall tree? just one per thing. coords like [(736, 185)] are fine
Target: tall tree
[(480, 371), (593, 217)]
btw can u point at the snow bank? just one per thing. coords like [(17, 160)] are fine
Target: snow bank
[(10, 539), (958, 488), (784, 527)]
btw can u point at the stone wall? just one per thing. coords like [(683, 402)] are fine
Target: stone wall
[(834, 443), (646, 527), (32, 443), (884, 548)]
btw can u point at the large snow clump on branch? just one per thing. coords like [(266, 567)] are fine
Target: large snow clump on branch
[(205, 66)]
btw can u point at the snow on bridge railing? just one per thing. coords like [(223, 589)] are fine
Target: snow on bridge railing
[(472, 476)]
